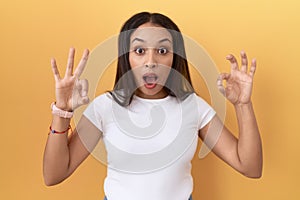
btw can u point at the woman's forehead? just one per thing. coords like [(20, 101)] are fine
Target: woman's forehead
[(151, 34)]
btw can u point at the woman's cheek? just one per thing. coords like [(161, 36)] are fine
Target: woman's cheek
[(167, 60), (135, 61)]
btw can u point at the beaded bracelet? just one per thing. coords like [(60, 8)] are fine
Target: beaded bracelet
[(59, 112), (59, 132)]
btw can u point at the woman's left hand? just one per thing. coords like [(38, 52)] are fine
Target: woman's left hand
[(239, 82)]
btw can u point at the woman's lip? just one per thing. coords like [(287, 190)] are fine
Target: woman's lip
[(150, 86), (150, 74)]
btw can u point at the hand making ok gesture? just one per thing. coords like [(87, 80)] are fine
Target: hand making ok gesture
[(239, 82), (71, 92)]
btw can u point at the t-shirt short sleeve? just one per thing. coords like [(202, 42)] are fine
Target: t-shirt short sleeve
[(94, 111), (206, 112)]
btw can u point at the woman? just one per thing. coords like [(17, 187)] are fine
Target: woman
[(152, 71)]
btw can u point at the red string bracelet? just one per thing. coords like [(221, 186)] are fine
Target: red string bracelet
[(59, 132)]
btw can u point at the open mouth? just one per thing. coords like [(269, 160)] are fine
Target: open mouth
[(150, 80)]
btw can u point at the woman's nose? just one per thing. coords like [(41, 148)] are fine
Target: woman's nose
[(151, 61)]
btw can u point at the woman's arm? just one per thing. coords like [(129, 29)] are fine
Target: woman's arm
[(245, 153), (63, 156)]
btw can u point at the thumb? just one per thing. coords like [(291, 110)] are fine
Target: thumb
[(79, 101), (84, 99), (221, 77), (80, 95), (84, 87)]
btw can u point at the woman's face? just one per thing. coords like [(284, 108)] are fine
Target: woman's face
[(150, 58)]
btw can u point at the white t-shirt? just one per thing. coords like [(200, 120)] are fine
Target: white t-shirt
[(149, 145)]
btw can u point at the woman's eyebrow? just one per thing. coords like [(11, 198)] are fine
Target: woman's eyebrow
[(160, 41), (137, 39), (165, 39)]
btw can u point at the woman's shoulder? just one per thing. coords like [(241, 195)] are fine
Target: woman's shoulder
[(103, 98), (194, 96), (200, 100)]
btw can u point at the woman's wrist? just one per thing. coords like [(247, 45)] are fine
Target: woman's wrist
[(240, 105), (54, 131), (63, 106), (244, 109), (60, 124), (60, 112)]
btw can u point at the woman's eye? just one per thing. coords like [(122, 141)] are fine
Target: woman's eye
[(139, 50), (162, 50)]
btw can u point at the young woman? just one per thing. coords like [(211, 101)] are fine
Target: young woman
[(152, 71)]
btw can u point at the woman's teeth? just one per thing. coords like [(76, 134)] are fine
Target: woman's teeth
[(150, 79)]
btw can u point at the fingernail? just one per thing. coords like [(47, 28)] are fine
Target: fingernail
[(228, 56), (87, 52), (84, 93)]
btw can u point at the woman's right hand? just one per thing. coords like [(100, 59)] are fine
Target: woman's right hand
[(71, 92)]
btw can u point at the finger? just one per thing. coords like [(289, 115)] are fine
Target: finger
[(233, 62), (84, 87), (252, 68), (221, 77), (84, 99), (55, 70), (70, 63), (82, 63), (244, 65)]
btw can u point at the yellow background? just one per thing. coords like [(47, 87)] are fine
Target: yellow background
[(33, 31)]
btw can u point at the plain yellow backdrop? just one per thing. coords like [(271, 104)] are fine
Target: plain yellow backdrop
[(33, 31)]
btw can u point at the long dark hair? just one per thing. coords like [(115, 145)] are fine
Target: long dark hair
[(179, 80)]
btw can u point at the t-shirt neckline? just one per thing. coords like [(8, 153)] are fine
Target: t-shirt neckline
[(151, 100)]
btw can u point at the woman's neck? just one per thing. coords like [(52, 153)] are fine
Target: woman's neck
[(161, 94)]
